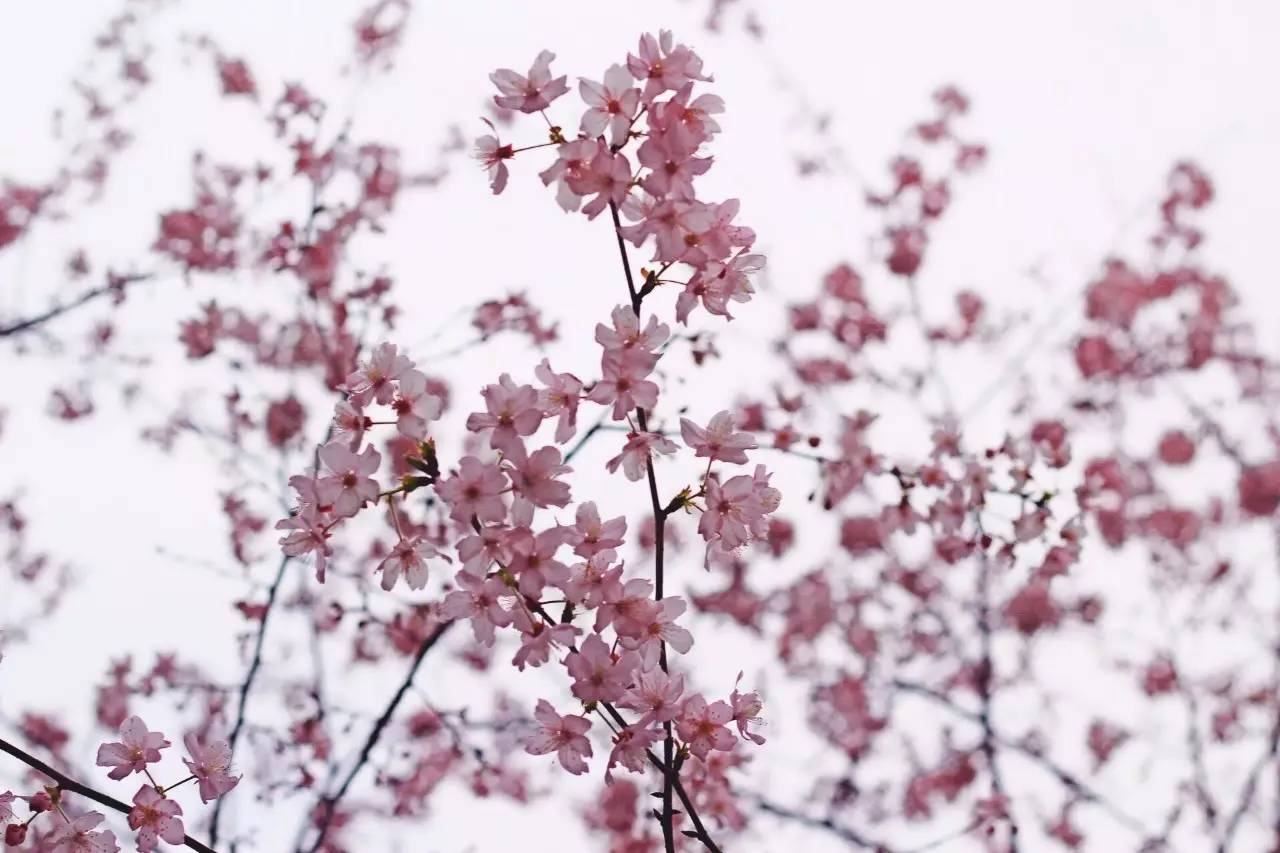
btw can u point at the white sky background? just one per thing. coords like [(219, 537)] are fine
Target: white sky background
[(1084, 107)]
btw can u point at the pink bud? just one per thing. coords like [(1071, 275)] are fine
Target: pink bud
[(15, 834)]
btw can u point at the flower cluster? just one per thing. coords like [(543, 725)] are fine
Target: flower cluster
[(516, 559), (154, 816)]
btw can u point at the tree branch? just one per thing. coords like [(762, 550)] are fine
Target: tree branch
[(66, 783)]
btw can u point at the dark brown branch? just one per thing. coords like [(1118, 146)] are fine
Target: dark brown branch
[(66, 783), (659, 527), (247, 685), (330, 803), (115, 285)]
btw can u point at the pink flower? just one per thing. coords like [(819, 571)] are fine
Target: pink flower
[(612, 105), (311, 533), (672, 167), (720, 440), (647, 628), (6, 807), (136, 749), (566, 736), (532, 93), (155, 818), (533, 477), (477, 599), (573, 160), (719, 283), (349, 424), (735, 511), (597, 675), (626, 333), (414, 405), (372, 381), (475, 492), (631, 748), (560, 397), (663, 65), (349, 485), (656, 695), (746, 709), (538, 638), (511, 411), (623, 383), (638, 452), (493, 155), (607, 175), (76, 836), (408, 558), (591, 535), (702, 726), (211, 765)]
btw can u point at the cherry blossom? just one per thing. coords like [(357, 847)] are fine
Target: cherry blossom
[(136, 748), (563, 735)]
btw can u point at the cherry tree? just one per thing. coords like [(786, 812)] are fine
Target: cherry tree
[(864, 580)]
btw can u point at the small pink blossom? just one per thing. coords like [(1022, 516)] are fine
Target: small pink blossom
[(211, 765), (373, 380), (532, 93), (566, 736), (415, 406), (702, 726), (597, 675), (720, 440), (350, 484), (535, 477), (656, 695), (477, 599), (493, 155), (638, 452), (136, 748), (408, 558), (155, 818), (475, 491), (611, 105), (78, 836), (559, 398), (511, 411)]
